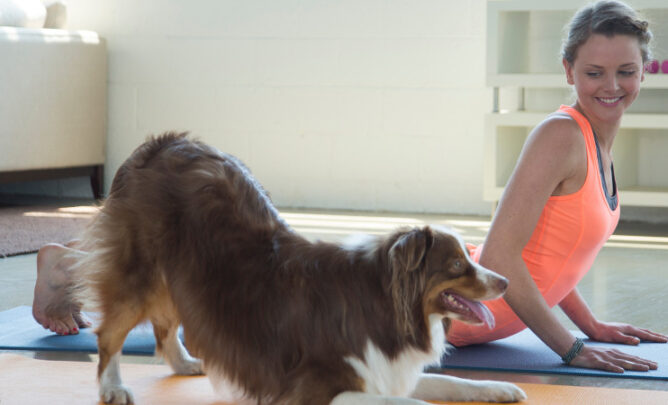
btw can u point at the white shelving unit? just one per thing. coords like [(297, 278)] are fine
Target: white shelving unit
[(523, 62)]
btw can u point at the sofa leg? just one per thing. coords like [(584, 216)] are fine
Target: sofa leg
[(97, 181)]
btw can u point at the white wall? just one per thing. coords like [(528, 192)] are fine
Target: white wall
[(356, 104)]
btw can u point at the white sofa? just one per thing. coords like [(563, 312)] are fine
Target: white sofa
[(53, 105)]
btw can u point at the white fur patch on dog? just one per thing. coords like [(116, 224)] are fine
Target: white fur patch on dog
[(226, 390), (361, 242), (398, 377)]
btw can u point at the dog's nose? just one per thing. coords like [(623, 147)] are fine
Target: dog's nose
[(502, 283)]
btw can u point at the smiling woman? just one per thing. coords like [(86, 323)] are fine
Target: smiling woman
[(561, 204)]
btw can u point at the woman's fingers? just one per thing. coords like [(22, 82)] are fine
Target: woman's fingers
[(626, 339), (648, 335), (611, 360), (629, 362), (633, 336), (627, 334)]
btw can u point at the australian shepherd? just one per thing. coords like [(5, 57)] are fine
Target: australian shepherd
[(187, 236)]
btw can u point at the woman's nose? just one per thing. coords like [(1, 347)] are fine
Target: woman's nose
[(611, 84)]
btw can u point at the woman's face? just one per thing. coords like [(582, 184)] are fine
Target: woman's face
[(607, 72)]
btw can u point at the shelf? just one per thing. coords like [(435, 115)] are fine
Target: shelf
[(632, 196), (492, 193), (562, 5), (558, 80), (531, 119), (644, 196)]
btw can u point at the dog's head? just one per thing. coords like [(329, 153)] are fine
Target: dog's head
[(431, 267)]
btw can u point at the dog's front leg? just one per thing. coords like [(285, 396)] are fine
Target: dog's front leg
[(112, 390), (436, 387), (362, 398)]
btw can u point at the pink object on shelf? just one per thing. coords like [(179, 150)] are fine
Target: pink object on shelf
[(652, 66), (664, 66)]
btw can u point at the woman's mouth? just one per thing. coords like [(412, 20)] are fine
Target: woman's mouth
[(609, 101)]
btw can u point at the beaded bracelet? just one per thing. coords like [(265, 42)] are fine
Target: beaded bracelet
[(573, 352)]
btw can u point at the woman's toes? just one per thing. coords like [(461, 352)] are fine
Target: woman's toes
[(71, 326), (57, 327), (63, 327)]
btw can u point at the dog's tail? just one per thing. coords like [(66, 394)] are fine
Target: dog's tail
[(144, 154), (97, 246)]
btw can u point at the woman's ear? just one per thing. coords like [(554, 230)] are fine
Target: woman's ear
[(569, 71)]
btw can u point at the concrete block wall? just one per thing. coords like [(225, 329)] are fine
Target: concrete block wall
[(351, 104)]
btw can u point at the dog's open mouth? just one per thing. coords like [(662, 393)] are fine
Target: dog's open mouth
[(469, 311)]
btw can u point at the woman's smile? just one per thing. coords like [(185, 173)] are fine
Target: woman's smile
[(609, 101)]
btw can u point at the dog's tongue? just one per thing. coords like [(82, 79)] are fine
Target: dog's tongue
[(483, 313), (479, 309)]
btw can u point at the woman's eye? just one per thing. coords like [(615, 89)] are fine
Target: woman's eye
[(593, 74), (627, 72)]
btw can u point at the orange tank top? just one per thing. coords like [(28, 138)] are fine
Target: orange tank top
[(569, 234)]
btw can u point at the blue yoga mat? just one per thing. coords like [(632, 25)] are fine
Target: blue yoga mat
[(19, 331), (524, 352)]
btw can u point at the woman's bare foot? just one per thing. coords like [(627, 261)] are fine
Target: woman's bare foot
[(53, 307)]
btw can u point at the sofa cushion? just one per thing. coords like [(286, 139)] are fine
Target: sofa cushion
[(22, 13)]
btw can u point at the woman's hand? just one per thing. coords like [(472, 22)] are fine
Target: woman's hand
[(613, 332), (613, 360)]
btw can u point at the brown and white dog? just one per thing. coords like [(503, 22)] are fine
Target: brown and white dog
[(188, 236)]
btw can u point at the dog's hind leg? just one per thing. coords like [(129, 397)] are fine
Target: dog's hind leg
[(111, 334), (168, 343)]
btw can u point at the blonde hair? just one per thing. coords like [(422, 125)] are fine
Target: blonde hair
[(609, 18)]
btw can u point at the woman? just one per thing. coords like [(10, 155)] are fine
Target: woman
[(561, 203)]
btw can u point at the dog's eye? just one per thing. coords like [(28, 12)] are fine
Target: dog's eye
[(458, 264)]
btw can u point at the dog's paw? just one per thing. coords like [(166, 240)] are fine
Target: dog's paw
[(116, 394), (189, 367), (502, 392)]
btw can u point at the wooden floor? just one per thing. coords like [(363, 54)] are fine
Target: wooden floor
[(628, 282), (37, 382)]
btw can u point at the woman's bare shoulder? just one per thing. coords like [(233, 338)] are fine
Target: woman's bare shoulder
[(558, 125), (553, 152)]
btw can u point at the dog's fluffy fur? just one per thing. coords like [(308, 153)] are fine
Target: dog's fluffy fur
[(188, 236)]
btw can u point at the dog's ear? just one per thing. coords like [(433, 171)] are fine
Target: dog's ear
[(408, 251), (406, 255)]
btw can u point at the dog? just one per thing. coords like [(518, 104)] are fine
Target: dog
[(188, 236)]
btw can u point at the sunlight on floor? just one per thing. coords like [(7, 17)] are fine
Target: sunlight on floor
[(473, 230), (65, 212), (638, 242), (339, 225)]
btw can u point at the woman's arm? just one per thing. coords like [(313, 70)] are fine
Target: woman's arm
[(552, 155), (551, 162)]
